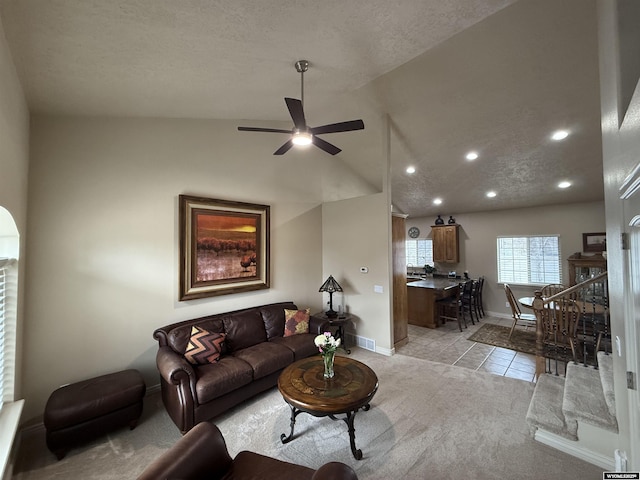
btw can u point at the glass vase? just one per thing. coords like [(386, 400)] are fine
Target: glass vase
[(328, 364)]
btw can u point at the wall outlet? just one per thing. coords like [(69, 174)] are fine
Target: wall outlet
[(506, 304), (378, 289)]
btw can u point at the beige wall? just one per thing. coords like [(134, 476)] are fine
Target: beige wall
[(103, 246), (14, 168), (479, 231), (356, 234)]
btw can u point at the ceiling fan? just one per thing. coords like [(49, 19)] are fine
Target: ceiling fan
[(302, 134)]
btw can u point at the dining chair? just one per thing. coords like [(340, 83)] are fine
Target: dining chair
[(450, 308), (560, 331), (527, 319)]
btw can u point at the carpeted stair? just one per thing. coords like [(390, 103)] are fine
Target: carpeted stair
[(585, 395)]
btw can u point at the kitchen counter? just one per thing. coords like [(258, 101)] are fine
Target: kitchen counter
[(437, 283), (422, 296)]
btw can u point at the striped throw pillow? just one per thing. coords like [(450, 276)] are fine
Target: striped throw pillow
[(204, 347)]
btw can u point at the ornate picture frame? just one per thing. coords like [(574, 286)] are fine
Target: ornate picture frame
[(224, 247), (594, 242)]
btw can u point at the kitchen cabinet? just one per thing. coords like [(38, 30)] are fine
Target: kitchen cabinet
[(446, 241)]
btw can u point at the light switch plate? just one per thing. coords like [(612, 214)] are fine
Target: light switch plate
[(378, 289)]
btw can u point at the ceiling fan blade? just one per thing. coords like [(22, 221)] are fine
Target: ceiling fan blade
[(284, 148), (326, 146), (338, 127), (259, 129), (297, 112)]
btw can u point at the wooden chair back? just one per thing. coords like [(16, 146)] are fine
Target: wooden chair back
[(551, 289)]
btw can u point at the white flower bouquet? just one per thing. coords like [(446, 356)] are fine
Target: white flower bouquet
[(326, 343)]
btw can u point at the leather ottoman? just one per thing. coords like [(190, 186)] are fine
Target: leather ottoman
[(82, 411)]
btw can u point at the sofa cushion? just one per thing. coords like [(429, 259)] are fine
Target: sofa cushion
[(244, 329), (301, 345), (296, 322), (265, 358), (203, 347), (273, 317), (224, 376)]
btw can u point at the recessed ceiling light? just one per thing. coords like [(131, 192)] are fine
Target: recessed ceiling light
[(564, 184), (411, 170), (437, 201), (471, 156), (491, 194), (560, 135)]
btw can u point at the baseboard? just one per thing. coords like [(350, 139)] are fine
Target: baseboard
[(385, 351), (575, 450), (499, 315)]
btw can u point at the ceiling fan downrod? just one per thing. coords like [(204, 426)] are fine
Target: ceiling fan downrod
[(301, 67)]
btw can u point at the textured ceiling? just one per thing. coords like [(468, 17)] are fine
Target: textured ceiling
[(496, 76)]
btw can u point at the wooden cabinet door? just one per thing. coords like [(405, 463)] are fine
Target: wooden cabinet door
[(445, 243), (439, 248), (400, 306)]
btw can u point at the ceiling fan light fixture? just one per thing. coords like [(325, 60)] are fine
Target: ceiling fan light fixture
[(302, 134), (301, 139)]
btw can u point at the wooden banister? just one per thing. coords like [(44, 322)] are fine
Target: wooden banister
[(540, 304)]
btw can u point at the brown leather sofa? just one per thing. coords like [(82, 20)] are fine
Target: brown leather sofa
[(202, 453), (254, 354)]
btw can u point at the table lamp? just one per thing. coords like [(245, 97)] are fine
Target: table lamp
[(330, 285)]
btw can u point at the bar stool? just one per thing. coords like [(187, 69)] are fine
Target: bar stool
[(450, 308)]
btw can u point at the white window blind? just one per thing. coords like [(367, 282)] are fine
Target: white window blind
[(8, 302), (532, 260), (419, 252)]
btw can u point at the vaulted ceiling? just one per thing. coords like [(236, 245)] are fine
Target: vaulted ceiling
[(492, 76)]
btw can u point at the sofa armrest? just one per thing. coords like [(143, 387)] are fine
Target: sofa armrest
[(174, 368), (335, 471), (200, 453), (318, 325), (178, 385)]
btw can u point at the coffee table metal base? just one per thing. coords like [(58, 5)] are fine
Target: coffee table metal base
[(348, 419)]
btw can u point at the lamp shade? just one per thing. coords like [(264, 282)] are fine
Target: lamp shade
[(330, 285)]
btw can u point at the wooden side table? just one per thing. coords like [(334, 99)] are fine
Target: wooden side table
[(338, 323)]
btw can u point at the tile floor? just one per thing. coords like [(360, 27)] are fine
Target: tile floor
[(446, 344)]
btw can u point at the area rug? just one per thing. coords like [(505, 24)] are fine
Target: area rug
[(521, 341)]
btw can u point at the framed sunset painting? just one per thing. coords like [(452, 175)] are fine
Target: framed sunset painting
[(224, 247)]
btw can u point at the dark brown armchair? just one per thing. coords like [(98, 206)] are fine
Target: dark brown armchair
[(202, 454)]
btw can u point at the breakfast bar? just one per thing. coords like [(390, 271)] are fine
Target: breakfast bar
[(422, 296)]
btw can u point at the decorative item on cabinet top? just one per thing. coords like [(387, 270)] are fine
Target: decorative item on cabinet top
[(414, 232), (439, 220), (451, 220)]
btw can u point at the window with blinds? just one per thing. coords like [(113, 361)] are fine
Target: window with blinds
[(529, 260), (419, 252), (8, 301)]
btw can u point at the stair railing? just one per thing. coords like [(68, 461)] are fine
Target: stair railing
[(572, 325)]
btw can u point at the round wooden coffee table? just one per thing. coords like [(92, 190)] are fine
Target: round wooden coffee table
[(304, 388)]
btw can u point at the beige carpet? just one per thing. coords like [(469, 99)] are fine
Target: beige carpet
[(428, 420)]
